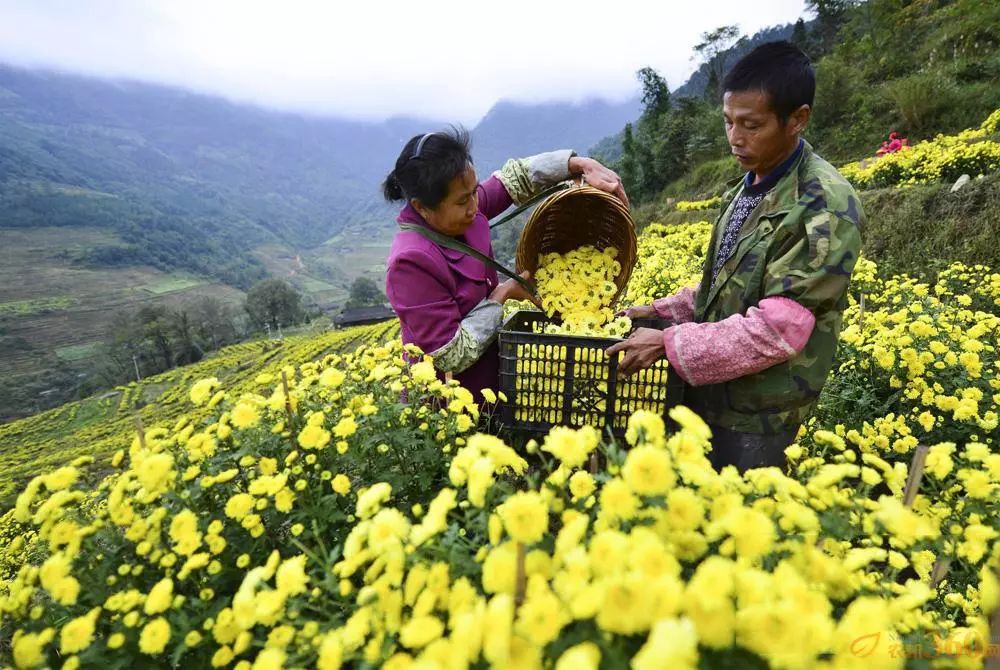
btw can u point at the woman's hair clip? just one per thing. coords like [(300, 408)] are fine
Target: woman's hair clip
[(420, 146)]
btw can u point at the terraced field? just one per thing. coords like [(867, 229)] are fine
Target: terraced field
[(99, 425), (52, 309)]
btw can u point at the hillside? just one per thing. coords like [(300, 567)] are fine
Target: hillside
[(192, 182), (172, 172), (96, 426), (866, 88), (917, 230), (55, 313)]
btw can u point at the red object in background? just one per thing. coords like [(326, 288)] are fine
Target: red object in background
[(892, 145)]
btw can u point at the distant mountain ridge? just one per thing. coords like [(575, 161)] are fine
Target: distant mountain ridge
[(696, 83), (195, 182), (177, 172), (191, 182), (520, 129)]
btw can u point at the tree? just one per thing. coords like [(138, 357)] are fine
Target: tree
[(706, 139), (655, 93), (712, 48), (626, 167), (364, 292), (185, 348), (641, 145), (154, 324), (274, 303), (214, 322), (830, 16), (123, 350), (800, 36)]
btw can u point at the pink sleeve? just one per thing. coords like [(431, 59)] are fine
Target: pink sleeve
[(493, 197), (710, 353), (679, 307)]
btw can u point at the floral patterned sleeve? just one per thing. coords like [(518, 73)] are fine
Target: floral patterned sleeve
[(524, 177), (476, 332)]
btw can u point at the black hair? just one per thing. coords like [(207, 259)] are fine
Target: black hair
[(427, 163), (779, 69)]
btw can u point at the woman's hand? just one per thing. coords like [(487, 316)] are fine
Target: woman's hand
[(638, 312), (598, 176), (512, 290)]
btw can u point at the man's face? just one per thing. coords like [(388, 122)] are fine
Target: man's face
[(759, 141)]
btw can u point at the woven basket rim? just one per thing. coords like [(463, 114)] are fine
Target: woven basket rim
[(528, 258)]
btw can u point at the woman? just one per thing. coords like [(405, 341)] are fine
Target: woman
[(451, 304)]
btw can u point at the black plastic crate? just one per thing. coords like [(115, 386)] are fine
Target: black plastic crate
[(568, 380)]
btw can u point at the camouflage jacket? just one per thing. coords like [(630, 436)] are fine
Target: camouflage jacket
[(801, 242)]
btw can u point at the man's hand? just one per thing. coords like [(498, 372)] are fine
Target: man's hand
[(638, 312), (643, 348)]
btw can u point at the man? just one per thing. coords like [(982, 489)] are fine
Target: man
[(754, 340)]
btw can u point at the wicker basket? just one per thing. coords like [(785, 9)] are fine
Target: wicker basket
[(574, 218)]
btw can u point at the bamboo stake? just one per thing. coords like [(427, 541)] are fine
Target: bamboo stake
[(288, 399), (993, 659), (916, 475), (140, 431), (521, 580), (939, 571), (861, 313)]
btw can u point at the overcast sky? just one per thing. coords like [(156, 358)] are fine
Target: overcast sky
[(372, 58)]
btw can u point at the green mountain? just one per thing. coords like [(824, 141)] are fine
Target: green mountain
[(610, 148), (192, 182), (186, 181)]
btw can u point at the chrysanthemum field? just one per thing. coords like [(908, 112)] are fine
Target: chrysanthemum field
[(309, 517)]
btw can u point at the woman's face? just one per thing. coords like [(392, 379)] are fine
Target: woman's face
[(456, 212)]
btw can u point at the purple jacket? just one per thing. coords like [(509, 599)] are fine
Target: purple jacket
[(432, 288)]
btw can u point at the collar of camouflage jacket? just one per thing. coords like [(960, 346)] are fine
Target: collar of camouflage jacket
[(785, 193), (779, 201)]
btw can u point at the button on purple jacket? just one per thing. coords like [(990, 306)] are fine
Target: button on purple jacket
[(433, 288)]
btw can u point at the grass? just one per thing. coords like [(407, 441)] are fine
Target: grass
[(910, 229), (78, 352), (35, 306), (324, 273), (171, 285), (312, 285), (54, 313)]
